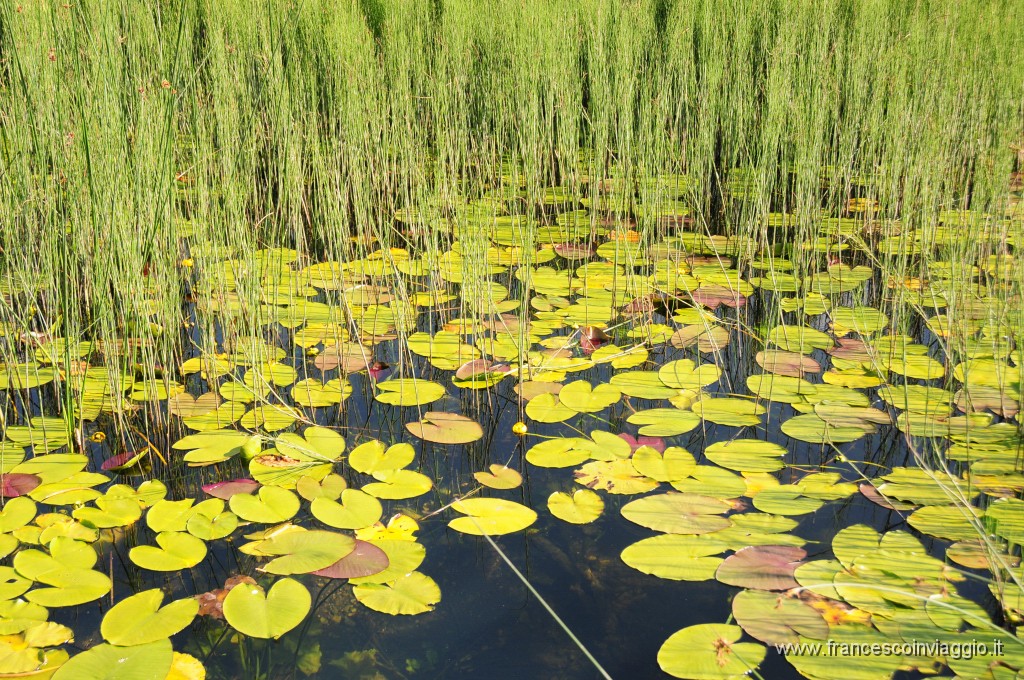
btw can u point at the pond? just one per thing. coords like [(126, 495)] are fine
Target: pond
[(551, 449)]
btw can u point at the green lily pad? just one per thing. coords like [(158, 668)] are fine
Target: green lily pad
[(16, 513), (777, 619), (491, 516), (314, 394), (408, 392), (643, 385), (811, 428), (272, 505), (786, 499), (403, 556), (664, 422), (709, 651), (356, 510), (302, 552), (271, 417), (582, 507), (709, 480), (614, 476), (139, 619), (209, 448), (499, 477), (398, 484), (316, 443), (412, 593), (251, 611), (107, 662), (678, 513), (370, 457), (25, 376), (747, 455), (952, 522), (674, 464), (174, 515), (799, 339), (177, 551), (547, 408), (684, 374), (557, 453), (581, 397), (675, 557), (730, 411)]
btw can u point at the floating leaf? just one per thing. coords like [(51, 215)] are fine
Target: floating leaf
[(225, 490), (582, 507), (546, 408), (366, 559), (177, 551), (408, 392), (675, 557), (371, 456), (678, 513), (747, 455), (580, 397), (685, 374), (356, 510), (777, 620), (270, 615), (664, 422), (614, 476), (499, 477), (413, 593), (709, 651), (272, 505), (674, 464), (491, 516), (446, 428), (139, 619), (762, 567), (398, 484), (811, 428), (731, 411), (302, 552), (107, 662)]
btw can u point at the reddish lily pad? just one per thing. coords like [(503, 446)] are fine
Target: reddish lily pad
[(365, 560), (762, 567), (225, 490), (17, 484)]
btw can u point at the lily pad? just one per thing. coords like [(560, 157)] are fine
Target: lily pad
[(675, 557), (107, 662), (139, 619), (491, 516), (678, 513), (366, 559), (413, 593), (446, 428), (499, 477), (747, 455), (267, 615), (581, 397), (709, 651), (582, 507), (762, 567), (408, 392), (302, 552), (271, 505), (372, 456), (177, 551)]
